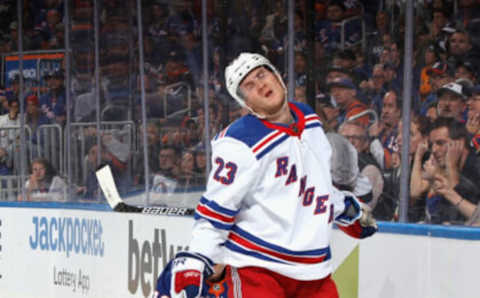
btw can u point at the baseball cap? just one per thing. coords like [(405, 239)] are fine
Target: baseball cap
[(454, 88), (467, 65), (342, 82)]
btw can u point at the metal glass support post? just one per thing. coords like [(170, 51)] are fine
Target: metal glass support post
[(97, 79), (407, 98), (21, 96), (68, 95), (206, 100), (144, 107), (291, 50)]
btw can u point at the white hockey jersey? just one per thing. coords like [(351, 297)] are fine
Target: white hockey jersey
[(269, 200)]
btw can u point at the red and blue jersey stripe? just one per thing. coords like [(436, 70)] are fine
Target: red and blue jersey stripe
[(263, 136), (245, 243), (266, 145), (312, 121), (220, 217)]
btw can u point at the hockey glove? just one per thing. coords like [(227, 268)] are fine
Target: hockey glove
[(356, 220), (184, 276)]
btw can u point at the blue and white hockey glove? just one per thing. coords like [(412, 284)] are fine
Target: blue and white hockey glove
[(356, 220), (184, 276)]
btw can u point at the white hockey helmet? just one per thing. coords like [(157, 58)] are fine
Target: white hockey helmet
[(239, 68)]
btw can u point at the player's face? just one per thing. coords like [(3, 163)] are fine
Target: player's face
[(263, 92), (439, 139)]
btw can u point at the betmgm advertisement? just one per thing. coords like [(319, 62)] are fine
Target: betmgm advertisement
[(69, 253)]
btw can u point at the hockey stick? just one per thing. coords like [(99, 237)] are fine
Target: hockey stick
[(109, 188)]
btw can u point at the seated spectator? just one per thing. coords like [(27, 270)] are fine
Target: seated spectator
[(374, 88), (440, 74), (344, 92), (53, 103), (8, 137), (53, 18), (392, 55), (34, 117), (451, 158), (466, 70), (375, 42), (347, 60), (440, 20), (452, 101), (44, 184), (460, 48), (165, 178), (391, 80), (368, 167), (386, 129), (329, 31), (158, 28), (12, 44), (430, 57), (188, 178)]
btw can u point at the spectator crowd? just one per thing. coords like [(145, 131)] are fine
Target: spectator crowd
[(352, 50)]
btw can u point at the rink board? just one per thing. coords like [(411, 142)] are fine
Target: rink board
[(55, 252)]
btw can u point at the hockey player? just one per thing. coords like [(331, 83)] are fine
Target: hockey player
[(270, 204)]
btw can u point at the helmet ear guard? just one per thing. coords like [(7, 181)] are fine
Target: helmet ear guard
[(239, 68)]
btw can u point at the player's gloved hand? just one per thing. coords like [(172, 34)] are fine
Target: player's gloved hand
[(184, 276), (356, 220)]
